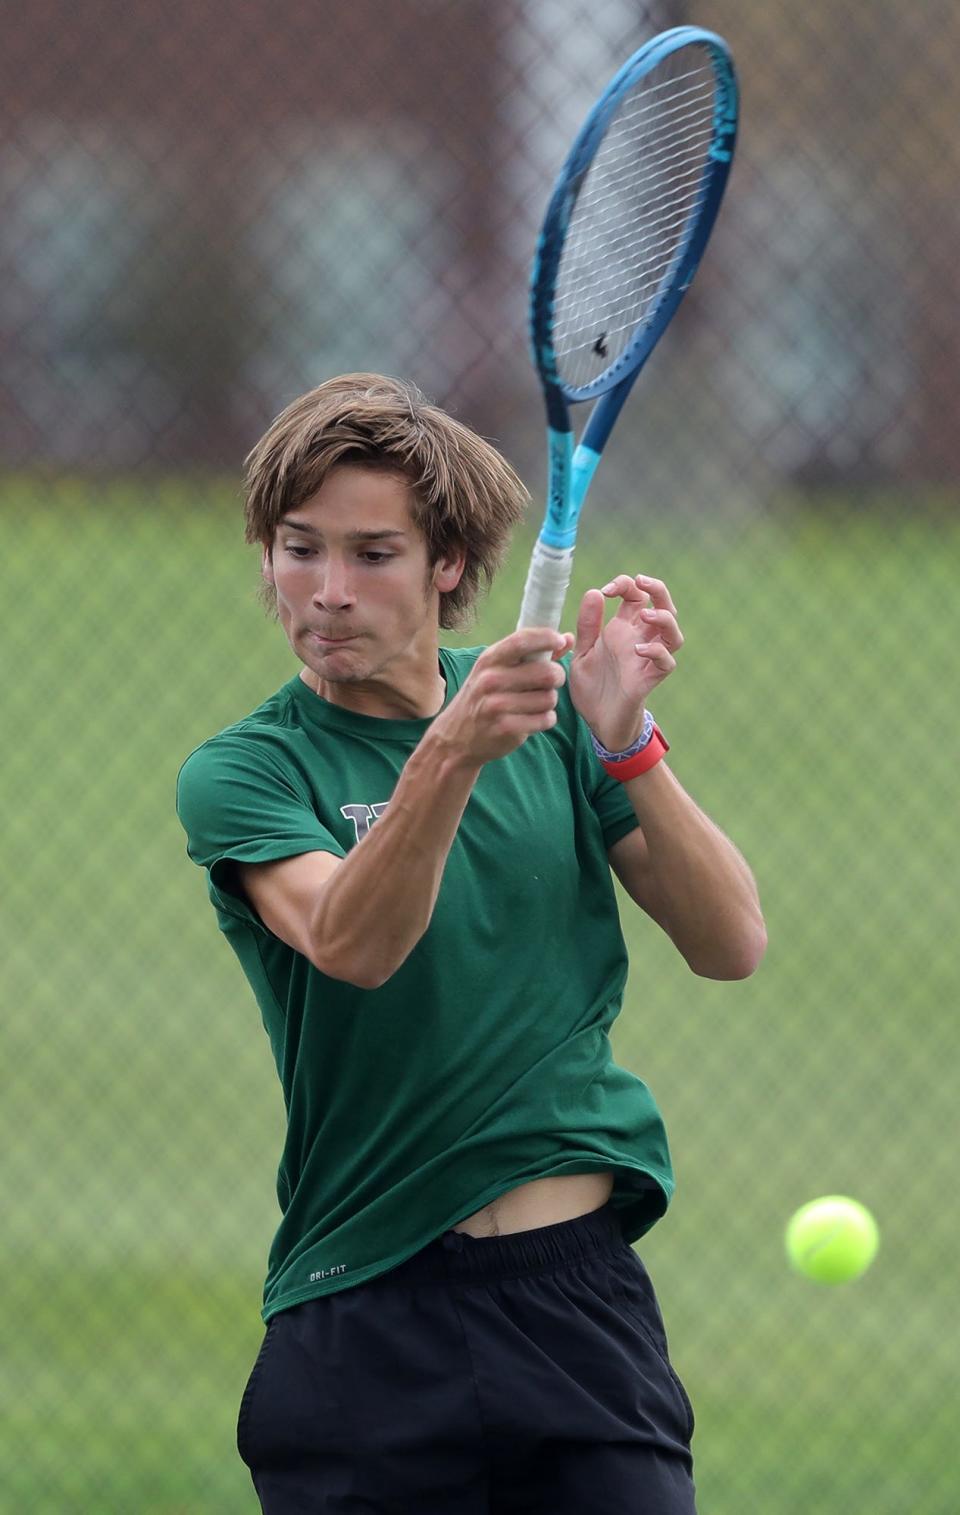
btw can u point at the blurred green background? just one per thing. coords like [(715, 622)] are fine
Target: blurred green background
[(179, 257)]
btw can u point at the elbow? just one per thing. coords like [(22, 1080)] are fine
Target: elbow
[(359, 955), (338, 954), (740, 959), (362, 979), (359, 973), (358, 978), (350, 963)]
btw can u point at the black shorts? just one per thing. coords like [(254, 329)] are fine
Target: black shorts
[(484, 1376)]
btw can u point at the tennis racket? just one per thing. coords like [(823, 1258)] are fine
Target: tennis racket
[(627, 223)]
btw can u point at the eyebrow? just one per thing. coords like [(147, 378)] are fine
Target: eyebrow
[(352, 536)]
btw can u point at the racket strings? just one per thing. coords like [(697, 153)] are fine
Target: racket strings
[(629, 223), (647, 244), (632, 214)]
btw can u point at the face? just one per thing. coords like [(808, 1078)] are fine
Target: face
[(356, 593)]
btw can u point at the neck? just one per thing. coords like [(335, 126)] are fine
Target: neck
[(376, 697)]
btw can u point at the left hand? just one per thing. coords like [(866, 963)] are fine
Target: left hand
[(614, 667)]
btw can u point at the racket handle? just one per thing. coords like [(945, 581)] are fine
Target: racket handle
[(548, 578)]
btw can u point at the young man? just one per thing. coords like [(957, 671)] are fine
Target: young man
[(410, 850)]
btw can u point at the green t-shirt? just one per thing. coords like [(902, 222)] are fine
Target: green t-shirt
[(484, 1061)]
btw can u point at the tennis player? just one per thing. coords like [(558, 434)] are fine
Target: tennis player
[(411, 851)]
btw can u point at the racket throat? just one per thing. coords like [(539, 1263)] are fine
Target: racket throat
[(570, 476), (559, 529)]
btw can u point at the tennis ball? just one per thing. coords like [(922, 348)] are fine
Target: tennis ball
[(832, 1240)]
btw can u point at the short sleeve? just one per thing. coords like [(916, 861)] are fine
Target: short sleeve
[(237, 804)]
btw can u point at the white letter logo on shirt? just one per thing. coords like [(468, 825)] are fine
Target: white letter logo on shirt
[(362, 816)]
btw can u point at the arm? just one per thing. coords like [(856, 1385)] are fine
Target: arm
[(359, 917), (678, 866), (681, 869)]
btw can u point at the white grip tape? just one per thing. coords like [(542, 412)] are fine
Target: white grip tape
[(546, 589)]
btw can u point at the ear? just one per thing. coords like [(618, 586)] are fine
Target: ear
[(448, 571), (266, 565)]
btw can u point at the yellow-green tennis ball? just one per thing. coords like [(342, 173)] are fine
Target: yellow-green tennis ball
[(832, 1239)]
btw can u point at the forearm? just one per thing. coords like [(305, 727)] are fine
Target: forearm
[(697, 885), (377, 905)]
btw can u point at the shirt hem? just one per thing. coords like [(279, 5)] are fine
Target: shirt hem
[(663, 1181)]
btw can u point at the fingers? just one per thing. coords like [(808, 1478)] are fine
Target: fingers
[(635, 591), (568, 643), (528, 643), (659, 615), (510, 693), (658, 654), (589, 621), (527, 674), (658, 592), (664, 622), (524, 664), (625, 588), (508, 700)]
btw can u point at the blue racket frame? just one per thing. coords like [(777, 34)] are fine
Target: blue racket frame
[(570, 471)]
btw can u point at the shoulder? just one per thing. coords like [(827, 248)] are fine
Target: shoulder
[(457, 662), (257, 742)]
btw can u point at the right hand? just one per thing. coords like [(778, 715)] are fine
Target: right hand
[(506, 697)]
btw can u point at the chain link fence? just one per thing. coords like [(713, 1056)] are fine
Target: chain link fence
[(204, 211)]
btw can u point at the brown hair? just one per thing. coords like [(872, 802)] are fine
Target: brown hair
[(466, 497)]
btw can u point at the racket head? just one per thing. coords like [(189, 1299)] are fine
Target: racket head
[(630, 215)]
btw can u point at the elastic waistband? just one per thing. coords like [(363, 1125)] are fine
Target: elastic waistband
[(455, 1256)]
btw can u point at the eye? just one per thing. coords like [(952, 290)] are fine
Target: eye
[(373, 556), (296, 551)]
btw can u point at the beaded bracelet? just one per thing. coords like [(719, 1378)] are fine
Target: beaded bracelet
[(642, 754)]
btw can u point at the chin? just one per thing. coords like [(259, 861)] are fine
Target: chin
[(328, 675), (336, 666)]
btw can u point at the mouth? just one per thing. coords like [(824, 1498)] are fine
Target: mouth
[(329, 641)]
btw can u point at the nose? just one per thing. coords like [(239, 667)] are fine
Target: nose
[(334, 590)]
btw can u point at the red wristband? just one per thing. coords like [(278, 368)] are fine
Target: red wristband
[(646, 758)]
